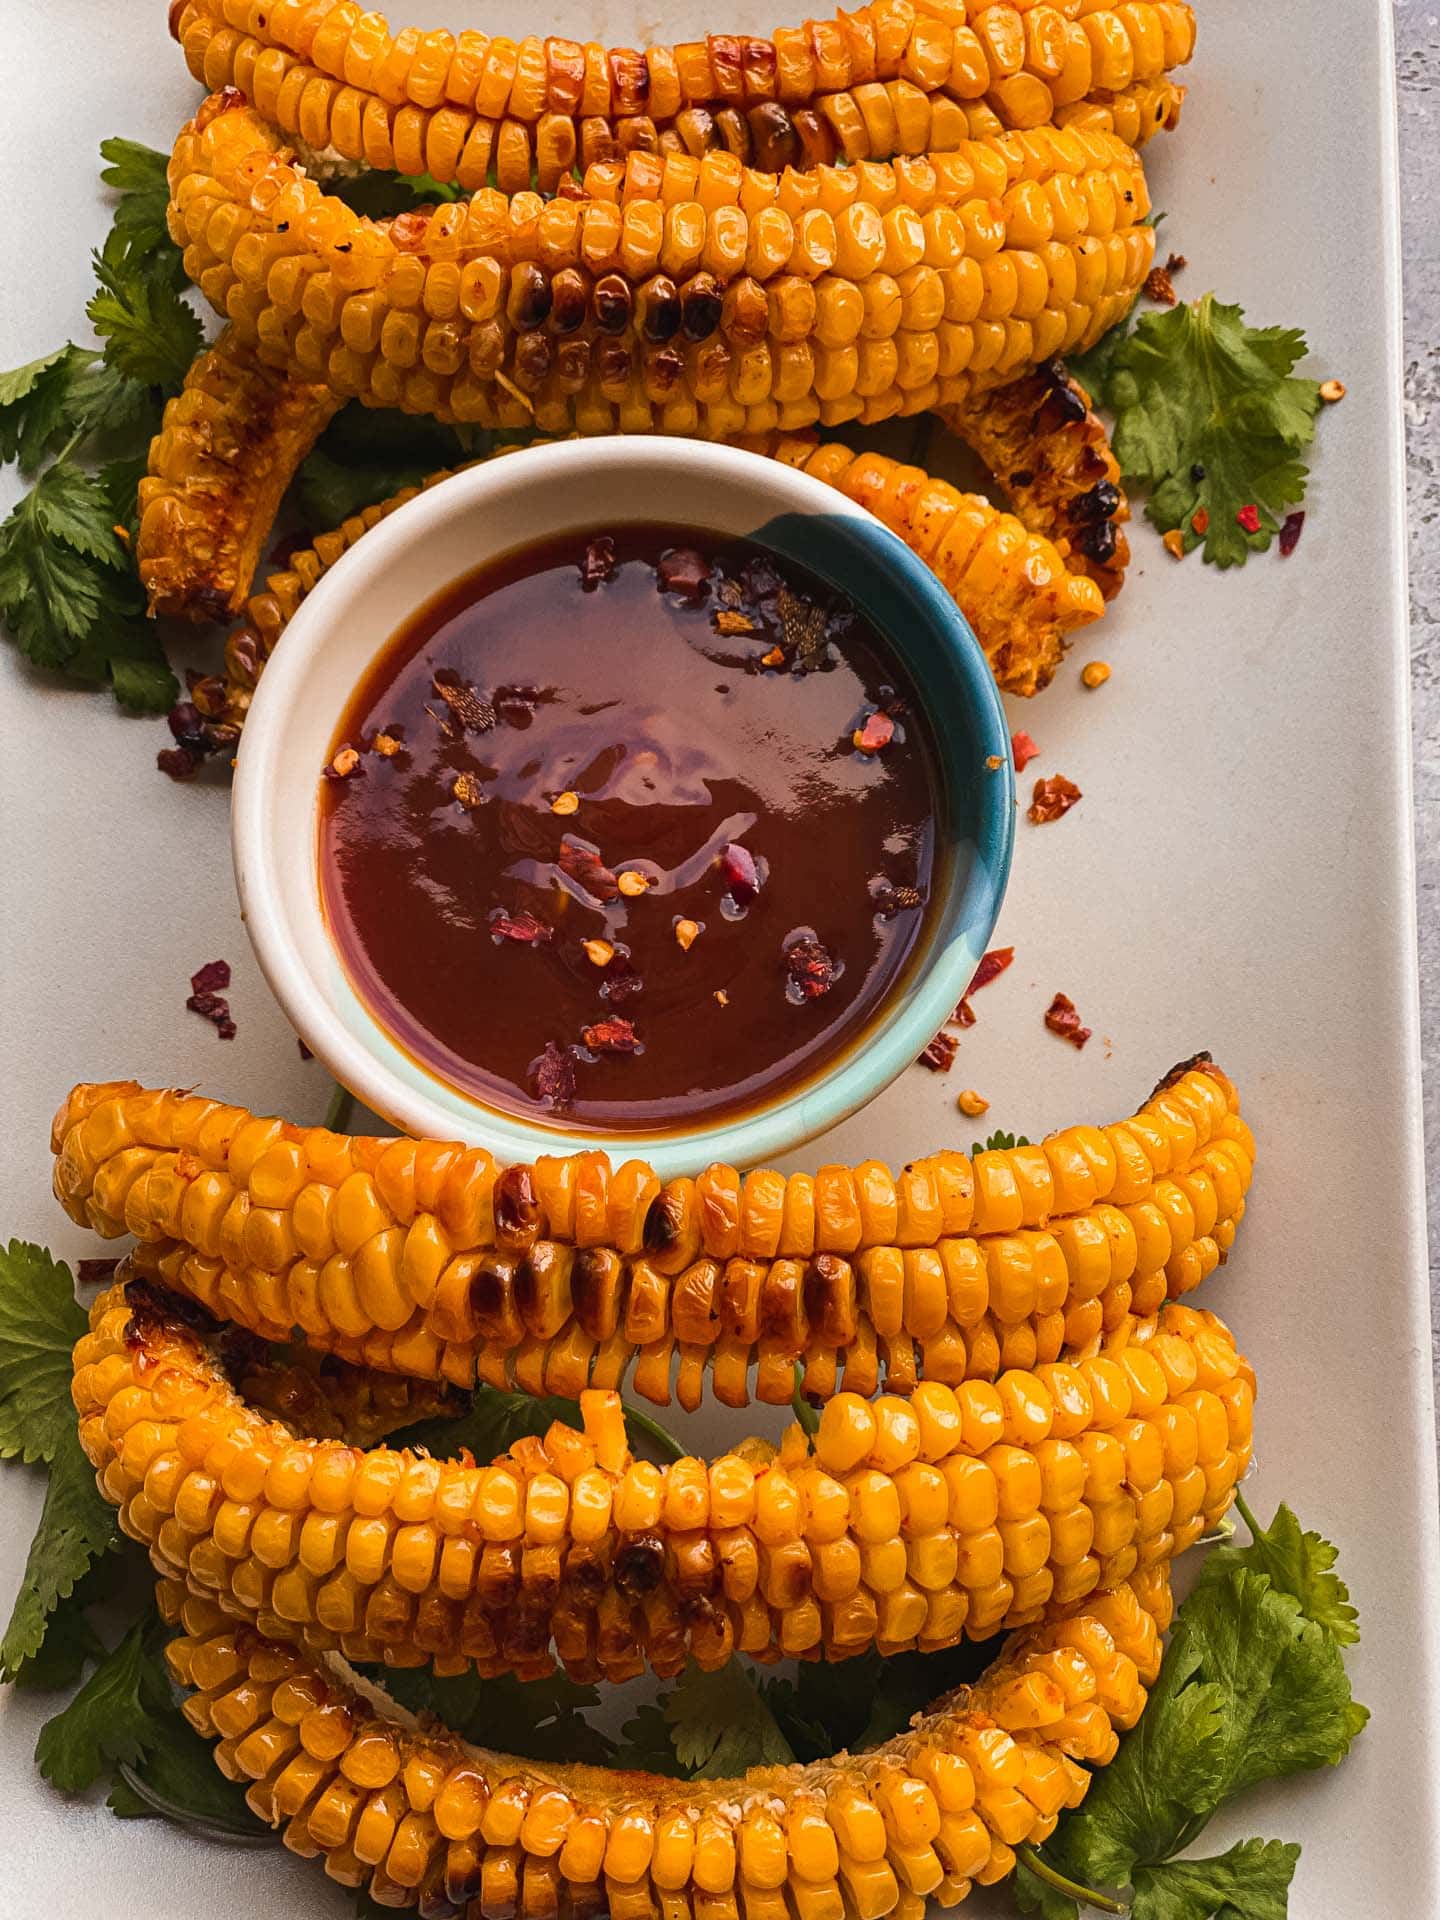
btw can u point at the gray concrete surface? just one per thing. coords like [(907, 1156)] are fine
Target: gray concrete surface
[(1417, 32)]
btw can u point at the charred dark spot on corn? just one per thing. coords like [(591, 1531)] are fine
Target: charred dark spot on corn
[(640, 1565)]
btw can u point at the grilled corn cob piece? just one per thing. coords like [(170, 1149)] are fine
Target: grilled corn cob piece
[(423, 1258), (1011, 585), (228, 446), (889, 78), (421, 1817), (1051, 458), (911, 1523), (689, 296)]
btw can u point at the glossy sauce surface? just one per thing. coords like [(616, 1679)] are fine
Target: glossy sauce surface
[(609, 853)]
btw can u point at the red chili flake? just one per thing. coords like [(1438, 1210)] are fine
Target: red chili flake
[(964, 1014), (615, 1035), (213, 977), (599, 562), (214, 1008), (1061, 1018), (939, 1056), (621, 980), (877, 732), (583, 865), (1052, 798), (523, 928), (683, 570), (178, 762), (552, 1074), (811, 968), (1024, 750), (305, 1053), (95, 1273), (1290, 532), (1200, 521), (992, 965), (1249, 517), (739, 872)]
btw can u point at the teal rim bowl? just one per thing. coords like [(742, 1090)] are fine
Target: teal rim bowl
[(592, 485)]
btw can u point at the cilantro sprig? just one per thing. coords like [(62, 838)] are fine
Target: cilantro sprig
[(1252, 1688), (69, 593), (1211, 419)]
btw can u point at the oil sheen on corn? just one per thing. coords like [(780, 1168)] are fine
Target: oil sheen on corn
[(610, 853)]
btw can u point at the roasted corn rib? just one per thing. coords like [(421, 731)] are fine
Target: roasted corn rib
[(422, 1258), (689, 296), (1052, 461), (230, 443), (1019, 596), (913, 1522), (420, 1817), (889, 78)]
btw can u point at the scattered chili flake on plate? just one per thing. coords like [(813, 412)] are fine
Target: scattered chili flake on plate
[(939, 1056), (95, 1273), (964, 1014), (1248, 517), (1061, 1018), (992, 965), (739, 872), (207, 997), (1053, 797), (1024, 750), (1290, 532), (614, 1035)]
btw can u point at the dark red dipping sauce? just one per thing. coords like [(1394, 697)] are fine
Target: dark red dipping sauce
[(598, 843)]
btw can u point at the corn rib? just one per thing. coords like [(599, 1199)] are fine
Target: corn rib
[(680, 295), (910, 1523), (889, 78), (422, 1817), (230, 443), (423, 1258)]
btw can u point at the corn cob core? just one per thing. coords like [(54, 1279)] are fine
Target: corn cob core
[(688, 296), (886, 79), (227, 448), (422, 1258), (911, 1522), (1013, 586), (1051, 459)]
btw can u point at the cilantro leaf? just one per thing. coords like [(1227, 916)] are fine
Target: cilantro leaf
[(720, 1725), (176, 1777), (1000, 1140), (76, 1527), (1209, 416), (539, 1719), (1250, 1690), (1287, 1699), (1298, 1563), (332, 490), (107, 1721), (1249, 1882), (150, 334), (34, 407), (40, 1321), (71, 1641), (645, 1745), (379, 194), (139, 234)]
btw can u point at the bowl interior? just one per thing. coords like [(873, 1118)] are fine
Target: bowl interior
[(507, 503)]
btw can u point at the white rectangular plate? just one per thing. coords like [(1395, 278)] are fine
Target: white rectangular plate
[(1237, 877)]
